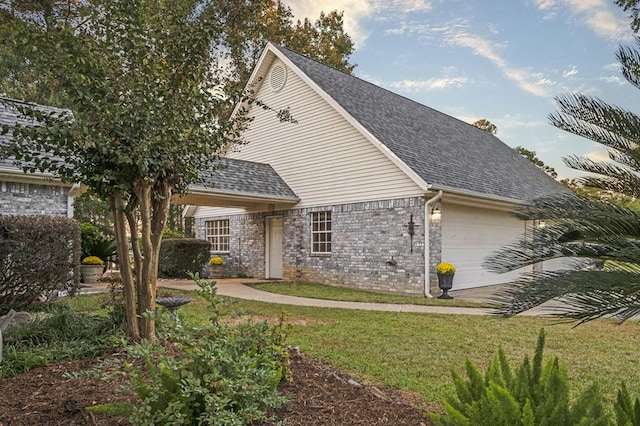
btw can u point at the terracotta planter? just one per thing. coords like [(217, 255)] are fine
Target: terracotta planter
[(91, 273), (445, 282)]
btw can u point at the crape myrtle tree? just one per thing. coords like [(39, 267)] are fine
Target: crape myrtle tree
[(603, 237), (144, 80)]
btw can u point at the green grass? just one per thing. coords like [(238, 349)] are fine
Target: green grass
[(327, 292), (416, 352)]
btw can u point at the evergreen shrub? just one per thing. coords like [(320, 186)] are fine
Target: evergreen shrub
[(38, 254), (181, 255)]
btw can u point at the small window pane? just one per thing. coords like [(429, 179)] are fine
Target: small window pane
[(217, 233), (321, 232)]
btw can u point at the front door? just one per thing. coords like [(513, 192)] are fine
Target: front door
[(273, 255)]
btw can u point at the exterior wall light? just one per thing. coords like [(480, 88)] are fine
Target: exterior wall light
[(435, 213)]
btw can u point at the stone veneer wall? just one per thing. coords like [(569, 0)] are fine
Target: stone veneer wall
[(31, 199), (435, 254), (367, 239)]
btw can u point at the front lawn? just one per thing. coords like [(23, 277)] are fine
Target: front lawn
[(327, 292), (415, 352)]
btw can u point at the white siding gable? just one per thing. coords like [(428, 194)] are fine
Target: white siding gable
[(323, 158)]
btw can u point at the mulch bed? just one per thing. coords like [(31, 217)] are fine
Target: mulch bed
[(319, 396)]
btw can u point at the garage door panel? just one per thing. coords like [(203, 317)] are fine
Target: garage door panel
[(469, 234)]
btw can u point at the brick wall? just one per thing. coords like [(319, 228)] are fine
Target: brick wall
[(371, 245), (32, 199)]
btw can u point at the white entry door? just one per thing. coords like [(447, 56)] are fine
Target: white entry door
[(273, 255)]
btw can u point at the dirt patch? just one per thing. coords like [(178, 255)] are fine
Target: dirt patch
[(319, 395)]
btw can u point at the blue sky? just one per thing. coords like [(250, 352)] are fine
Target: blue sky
[(503, 60)]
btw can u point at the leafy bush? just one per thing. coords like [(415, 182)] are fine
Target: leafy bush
[(181, 255), (56, 333), (534, 395), (96, 243), (27, 271), (170, 233), (221, 377), (627, 412)]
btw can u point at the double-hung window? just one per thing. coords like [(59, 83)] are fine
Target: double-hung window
[(321, 232), (217, 233)]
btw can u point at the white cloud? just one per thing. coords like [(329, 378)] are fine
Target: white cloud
[(355, 12), (430, 84), (614, 66), (544, 4), (534, 83), (571, 72), (613, 79), (407, 6), (600, 154), (601, 16)]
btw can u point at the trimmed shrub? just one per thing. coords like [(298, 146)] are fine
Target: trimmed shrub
[(38, 254), (536, 394), (181, 255), (170, 233)]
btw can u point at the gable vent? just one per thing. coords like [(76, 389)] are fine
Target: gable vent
[(278, 77)]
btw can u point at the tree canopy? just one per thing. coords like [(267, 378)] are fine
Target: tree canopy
[(531, 156), (245, 27), (146, 82), (486, 125)]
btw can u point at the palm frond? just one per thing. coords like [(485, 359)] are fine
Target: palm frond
[(629, 58), (595, 119), (581, 295)]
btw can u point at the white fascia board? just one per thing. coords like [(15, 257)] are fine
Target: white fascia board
[(189, 210), (355, 123), (253, 79), (243, 196), (473, 198), (21, 176)]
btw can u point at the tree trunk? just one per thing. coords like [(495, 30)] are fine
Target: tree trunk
[(154, 210), (117, 207)]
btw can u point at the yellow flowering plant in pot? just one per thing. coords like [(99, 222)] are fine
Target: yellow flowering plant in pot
[(216, 267), (91, 268), (445, 272)]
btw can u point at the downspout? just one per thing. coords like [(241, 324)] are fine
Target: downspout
[(427, 245)]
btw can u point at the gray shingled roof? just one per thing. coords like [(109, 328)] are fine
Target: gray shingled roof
[(239, 177), (10, 115), (446, 152)]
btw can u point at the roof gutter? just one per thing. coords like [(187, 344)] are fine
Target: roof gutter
[(427, 245)]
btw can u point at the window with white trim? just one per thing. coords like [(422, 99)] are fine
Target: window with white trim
[(217, 233), (321, 232)]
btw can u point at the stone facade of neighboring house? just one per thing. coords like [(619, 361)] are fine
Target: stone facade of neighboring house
[(29, 193), (17, 198), (372, 177)]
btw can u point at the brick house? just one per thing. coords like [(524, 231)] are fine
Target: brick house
[(30, 194), (378, 183)]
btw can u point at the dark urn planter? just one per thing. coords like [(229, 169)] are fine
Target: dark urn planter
[(445, 282)]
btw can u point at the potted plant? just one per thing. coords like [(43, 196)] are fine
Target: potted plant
[(445, 271), (92, 268), (216, 267)]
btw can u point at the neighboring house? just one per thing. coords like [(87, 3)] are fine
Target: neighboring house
[(376, 174), (30, 193)]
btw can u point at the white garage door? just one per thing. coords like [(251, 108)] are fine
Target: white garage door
[(469, 234)]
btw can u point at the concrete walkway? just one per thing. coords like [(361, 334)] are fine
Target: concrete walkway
[(234, 287)]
